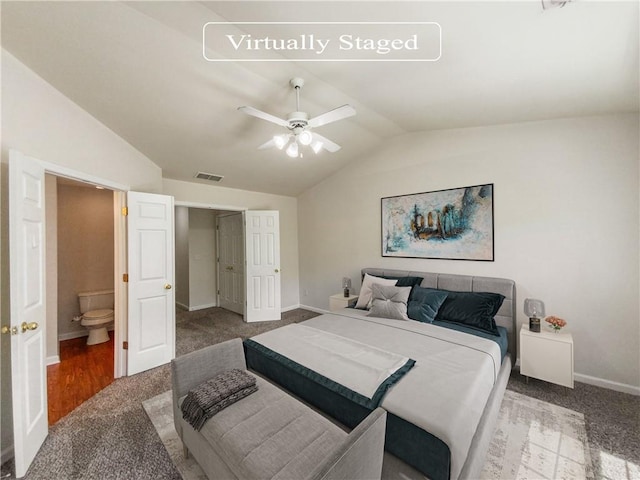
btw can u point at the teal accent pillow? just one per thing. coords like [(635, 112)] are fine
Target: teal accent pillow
[(473, 309), (404, 281), (424, 304)]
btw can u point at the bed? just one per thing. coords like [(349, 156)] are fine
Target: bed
[(443, 409)]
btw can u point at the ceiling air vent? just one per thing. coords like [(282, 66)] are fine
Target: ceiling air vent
[(209, 176)]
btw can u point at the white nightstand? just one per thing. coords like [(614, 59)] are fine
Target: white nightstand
[(547, 356), (339, 301)]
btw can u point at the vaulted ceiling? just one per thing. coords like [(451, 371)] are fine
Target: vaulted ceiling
[(138, 67)]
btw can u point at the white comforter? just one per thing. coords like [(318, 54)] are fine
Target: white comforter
[(446, 391), (346, 361)]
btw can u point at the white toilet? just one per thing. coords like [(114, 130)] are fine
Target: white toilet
[(97, 314)]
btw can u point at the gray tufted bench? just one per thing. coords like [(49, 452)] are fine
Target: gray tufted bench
[(270, 434)]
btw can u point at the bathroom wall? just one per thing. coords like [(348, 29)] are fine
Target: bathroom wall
[(51, 257), (85, 250)]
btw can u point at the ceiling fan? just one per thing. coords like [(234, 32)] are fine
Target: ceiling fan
[(300, 126)]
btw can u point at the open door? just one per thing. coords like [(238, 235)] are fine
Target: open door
[(151, 310), (262, 253), (28, 308)]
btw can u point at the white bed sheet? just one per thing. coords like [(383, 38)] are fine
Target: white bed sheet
[(446, 391)]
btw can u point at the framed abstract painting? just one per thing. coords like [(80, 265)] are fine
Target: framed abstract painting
[(454, 224)]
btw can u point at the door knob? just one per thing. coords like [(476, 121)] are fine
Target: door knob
[(28, 326), (167, 286), (7, 329), (276, 270), (229, 268)]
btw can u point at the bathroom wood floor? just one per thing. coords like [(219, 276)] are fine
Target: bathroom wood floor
[(83, 371)]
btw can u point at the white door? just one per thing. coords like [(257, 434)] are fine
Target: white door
[(231, 263), (262, 247), (150, 251), (27, 268)]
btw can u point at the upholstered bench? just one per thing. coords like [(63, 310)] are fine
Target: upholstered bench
[(270, 434)]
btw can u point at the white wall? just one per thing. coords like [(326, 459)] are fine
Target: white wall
[(202, 258), (42, 123), (566, 223), (196, 282), (226, 198)]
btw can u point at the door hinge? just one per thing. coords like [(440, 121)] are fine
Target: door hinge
[(218, 292), (125, 277), (125, 345), (125, 211)]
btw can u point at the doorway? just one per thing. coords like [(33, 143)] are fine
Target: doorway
[(80, 258), (209, 259)]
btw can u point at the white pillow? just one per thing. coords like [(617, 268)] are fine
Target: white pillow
[(364, 298)]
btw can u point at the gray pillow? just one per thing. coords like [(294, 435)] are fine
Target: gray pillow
[(389, 302)]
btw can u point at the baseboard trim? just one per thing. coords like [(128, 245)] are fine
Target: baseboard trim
[(202, 307), (611, 385), (601, 382), (71, 335), (290, 307), (314, 309), (78, 334), (52, 360), (182, 306)]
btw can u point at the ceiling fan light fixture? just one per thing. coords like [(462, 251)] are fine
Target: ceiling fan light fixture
[(292, 149), (300, 125), (280, 141), (305, 138), (317, 146)]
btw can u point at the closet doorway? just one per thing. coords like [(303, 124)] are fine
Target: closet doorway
[(209, 258)]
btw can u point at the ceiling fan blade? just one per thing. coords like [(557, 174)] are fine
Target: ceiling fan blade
[(254, 112), (334, 115), (277, 141), (268, 144), (327, 144)]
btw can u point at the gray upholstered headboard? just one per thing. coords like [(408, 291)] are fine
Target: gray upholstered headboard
[(506, 316)]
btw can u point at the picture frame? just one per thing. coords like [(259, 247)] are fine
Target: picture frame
[(451, 224)]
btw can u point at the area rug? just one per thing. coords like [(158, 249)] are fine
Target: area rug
[(533, 440), (537, 440)]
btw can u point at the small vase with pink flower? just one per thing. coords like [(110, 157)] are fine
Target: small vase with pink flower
[(556, 323)]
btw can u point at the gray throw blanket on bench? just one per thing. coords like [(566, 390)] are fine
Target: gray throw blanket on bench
[(208, 398)]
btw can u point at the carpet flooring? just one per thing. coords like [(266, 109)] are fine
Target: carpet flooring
[(111, 437)]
